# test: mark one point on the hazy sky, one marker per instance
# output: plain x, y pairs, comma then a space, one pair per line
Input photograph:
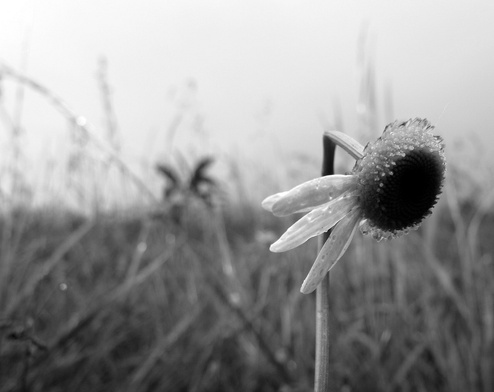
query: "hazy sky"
253, 73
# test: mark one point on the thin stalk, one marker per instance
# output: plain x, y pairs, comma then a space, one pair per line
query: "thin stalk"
324, 380
85, 126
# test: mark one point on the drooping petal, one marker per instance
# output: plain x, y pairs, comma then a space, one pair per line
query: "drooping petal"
332, 250
316, 222
350, 145
309, 195
269, 201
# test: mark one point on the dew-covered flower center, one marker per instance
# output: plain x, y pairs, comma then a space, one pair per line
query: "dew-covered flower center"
400, 177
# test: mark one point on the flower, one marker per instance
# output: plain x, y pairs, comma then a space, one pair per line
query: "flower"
395, 183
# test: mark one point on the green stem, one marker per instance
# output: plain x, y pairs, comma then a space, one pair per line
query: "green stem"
324, 334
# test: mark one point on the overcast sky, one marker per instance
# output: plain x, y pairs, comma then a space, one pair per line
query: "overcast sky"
256, 75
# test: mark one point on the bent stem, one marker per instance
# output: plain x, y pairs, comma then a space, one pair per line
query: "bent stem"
324, 333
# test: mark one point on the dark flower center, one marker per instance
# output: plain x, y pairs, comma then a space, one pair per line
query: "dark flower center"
401, 196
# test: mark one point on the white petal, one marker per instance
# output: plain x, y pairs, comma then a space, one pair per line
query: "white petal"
350, 145
269, 201
332, 250
316, 222
311, 194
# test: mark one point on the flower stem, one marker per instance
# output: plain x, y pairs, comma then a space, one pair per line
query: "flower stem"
324, 334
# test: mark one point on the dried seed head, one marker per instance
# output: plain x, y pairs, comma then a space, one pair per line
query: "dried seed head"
400, 178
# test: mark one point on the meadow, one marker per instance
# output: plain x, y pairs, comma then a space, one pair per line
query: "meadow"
142, 303
187, 297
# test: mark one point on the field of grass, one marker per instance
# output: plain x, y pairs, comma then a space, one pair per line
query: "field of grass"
148, 302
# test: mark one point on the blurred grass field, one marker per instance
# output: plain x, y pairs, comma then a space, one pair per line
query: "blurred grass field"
139, 303
190, 299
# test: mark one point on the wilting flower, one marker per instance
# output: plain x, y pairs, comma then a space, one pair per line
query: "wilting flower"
395, 183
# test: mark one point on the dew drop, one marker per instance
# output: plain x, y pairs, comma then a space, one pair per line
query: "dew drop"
141, 247
170, 238
81, 121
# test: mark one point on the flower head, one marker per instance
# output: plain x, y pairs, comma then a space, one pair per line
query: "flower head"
395, 183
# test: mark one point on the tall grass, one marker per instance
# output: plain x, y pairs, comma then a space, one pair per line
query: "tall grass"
134, 303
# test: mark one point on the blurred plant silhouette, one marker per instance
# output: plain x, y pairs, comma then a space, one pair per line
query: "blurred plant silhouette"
199, 185
182, 191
